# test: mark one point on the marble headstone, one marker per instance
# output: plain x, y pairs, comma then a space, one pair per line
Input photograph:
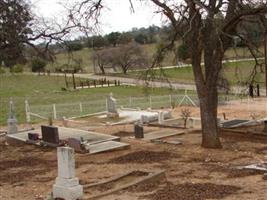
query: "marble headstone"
67, 185
11, 121
112, 106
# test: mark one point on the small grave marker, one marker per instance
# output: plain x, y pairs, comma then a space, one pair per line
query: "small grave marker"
138, 131
12, 121
161, 118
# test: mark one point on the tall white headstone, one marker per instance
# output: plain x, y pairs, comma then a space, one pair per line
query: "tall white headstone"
67, 185
112, 106
161, 117
11, 121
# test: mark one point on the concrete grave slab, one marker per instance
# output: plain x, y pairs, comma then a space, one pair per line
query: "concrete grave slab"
65, 133
106, 146
131, 115
171, 141
162, 134
258, 167
233, 123
170, 123
192, 122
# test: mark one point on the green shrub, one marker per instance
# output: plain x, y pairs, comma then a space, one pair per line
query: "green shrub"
74, 46
183, 52
2, 71
16, 69
38, 65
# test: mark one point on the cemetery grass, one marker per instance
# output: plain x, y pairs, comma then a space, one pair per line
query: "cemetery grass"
48, 90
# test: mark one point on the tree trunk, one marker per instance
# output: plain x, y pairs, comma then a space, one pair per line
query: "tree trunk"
102, 69
124, 70
209, 122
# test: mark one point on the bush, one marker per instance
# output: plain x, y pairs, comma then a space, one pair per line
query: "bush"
16, 69
141, 38
38, 65
2, 71
74, 46
183, 52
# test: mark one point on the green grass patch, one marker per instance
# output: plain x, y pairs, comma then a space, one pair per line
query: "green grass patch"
234, 72
85, 55
47, 90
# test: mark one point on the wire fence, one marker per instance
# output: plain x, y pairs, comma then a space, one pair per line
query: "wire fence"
33, 113
78, 109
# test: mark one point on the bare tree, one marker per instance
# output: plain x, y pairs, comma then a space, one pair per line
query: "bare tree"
185, 114
102, 59
207, 27
129, 56
210, 27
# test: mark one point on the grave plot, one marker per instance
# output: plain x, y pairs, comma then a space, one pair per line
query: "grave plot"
191, 172
165, 133
193, 191
107, 146
257, 131
170, 140
122, 116
82, 141
261, 167
132, 179
171, 123
233, 123
65, 133
191, 122
131, 115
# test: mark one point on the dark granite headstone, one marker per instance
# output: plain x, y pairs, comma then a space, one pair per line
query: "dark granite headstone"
50, 134
138, 131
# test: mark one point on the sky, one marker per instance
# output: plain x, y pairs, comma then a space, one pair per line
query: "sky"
117, 17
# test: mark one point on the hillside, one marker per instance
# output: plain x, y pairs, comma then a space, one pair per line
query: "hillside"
85, 55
